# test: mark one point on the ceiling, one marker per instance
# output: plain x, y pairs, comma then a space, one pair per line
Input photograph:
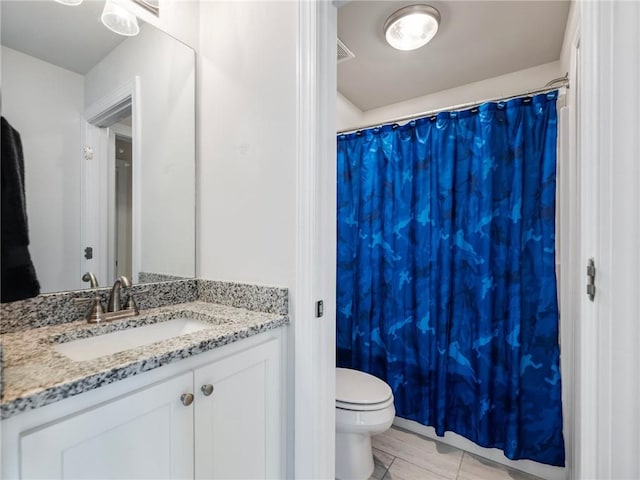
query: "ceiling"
476, 40
70, 37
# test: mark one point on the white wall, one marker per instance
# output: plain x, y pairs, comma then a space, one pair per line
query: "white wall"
247, 126
347, 114
167, 142
505, 85
44, 103
178, 18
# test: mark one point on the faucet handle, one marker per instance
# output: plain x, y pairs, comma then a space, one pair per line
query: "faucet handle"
95, 314
91, 278
131, 304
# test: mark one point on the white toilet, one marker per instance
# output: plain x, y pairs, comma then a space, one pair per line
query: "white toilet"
364, 407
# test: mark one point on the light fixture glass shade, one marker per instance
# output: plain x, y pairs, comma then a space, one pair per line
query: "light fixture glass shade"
119, 19
72, 3
411, 27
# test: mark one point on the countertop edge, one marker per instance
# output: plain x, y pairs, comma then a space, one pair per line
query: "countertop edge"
76, 386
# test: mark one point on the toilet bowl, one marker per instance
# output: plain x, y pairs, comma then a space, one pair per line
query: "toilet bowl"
364, 407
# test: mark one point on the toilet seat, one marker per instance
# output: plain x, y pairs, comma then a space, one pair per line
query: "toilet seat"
360, 391
364, 407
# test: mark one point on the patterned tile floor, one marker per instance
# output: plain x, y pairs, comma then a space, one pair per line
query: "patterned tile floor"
401, 455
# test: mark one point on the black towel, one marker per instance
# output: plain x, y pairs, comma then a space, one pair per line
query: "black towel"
18, 279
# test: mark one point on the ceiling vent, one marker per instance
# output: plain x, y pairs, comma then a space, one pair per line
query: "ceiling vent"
344, 53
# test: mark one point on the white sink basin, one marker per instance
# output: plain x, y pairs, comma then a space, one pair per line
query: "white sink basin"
107, 344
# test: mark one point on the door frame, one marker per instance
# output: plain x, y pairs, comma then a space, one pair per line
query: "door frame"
569, 238
608, 440
314, 337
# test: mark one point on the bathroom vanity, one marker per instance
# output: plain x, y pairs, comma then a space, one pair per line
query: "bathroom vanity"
208, 403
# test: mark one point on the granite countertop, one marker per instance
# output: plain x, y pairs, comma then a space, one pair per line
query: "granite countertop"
35, 374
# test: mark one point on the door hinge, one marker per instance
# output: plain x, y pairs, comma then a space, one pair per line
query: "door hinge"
591, 279
319, 308
88, 153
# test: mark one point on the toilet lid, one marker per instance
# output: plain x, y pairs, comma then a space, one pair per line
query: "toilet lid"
359, 388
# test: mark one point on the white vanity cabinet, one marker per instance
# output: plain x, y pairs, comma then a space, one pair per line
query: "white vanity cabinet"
147, 434
145, 426
237, 426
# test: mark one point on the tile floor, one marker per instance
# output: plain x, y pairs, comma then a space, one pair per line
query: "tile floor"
402, 455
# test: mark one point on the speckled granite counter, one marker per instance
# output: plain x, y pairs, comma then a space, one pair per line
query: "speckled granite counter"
36, 375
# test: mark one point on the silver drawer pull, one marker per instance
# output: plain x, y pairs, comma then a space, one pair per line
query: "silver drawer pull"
186, 399
207, 389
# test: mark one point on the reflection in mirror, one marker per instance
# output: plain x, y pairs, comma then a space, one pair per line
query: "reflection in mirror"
123, 206
108, 131
152, 5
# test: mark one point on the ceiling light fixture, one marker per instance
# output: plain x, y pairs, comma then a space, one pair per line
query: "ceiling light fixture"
119, 20
411, 27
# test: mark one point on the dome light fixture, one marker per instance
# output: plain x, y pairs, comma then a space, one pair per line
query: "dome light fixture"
71, 3
411, 27
119, 20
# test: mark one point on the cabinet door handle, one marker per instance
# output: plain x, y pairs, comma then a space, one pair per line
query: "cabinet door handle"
207, 389
186, 399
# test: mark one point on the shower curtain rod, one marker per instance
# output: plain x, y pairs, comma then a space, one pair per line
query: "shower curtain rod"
551, 85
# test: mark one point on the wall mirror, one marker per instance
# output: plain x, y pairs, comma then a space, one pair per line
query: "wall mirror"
107, 124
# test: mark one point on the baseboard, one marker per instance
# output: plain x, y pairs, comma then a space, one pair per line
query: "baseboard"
533, 468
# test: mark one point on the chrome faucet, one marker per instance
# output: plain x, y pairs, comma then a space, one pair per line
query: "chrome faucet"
114, 304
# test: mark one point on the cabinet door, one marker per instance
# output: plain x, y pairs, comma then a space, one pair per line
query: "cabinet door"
147, 434
238, 425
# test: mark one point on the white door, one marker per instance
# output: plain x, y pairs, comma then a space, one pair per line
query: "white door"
237, 416
146, 434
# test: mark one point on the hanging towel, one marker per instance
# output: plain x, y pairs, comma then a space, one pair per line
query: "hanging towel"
18, 275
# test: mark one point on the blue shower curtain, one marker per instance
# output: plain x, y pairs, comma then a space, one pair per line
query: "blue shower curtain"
446, 284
